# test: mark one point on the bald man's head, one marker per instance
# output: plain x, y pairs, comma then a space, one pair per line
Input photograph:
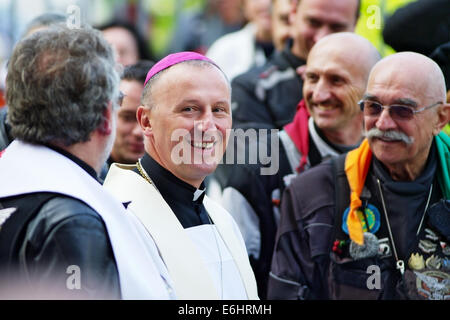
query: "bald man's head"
412, 70
357, 52
398, 137
335, 79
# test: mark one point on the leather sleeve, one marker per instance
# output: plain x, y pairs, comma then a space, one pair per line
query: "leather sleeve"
304, 237
5, 136
247, 108
67, 253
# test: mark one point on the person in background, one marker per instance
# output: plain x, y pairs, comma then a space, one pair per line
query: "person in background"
442, 57
373, 223
126, 41
335, 80
280, 23
267, 96
197, 31
237, 52
420, 26
129, 143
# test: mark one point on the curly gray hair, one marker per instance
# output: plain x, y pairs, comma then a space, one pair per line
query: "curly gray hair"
59, 84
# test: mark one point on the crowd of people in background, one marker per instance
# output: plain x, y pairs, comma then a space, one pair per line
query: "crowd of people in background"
112, 154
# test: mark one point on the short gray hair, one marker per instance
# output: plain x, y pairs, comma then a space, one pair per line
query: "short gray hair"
59, 83
44, 21
147, 99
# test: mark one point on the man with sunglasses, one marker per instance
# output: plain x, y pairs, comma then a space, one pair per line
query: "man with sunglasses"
373, 224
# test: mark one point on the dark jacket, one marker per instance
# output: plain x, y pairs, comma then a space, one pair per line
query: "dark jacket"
258, 191
420, 26
306, 265
258, 215
64, 233
5, 136
268, 96
442, 57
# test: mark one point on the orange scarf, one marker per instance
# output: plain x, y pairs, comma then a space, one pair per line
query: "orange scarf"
357, 165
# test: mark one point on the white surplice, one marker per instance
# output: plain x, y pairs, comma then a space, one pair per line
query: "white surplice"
26, 168
204, 262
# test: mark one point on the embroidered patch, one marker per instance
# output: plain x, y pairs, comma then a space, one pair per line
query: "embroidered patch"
384, 248
416, 262
372, 215
433, 285
433, 262
427, 246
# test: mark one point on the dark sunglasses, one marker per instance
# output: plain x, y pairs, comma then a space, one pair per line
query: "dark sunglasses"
396, 112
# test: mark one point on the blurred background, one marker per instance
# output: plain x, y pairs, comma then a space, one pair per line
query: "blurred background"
166, 26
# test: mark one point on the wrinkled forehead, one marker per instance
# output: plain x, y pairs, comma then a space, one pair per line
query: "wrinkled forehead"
342, 60
399, 81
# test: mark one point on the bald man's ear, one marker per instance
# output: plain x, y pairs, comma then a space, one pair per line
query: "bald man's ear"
443, 113
143, 118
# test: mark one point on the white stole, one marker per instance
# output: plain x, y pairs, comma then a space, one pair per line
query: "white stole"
190, 276
25, 168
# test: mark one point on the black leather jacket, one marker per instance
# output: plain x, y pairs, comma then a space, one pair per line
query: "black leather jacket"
267, 96
5, 137
66, 239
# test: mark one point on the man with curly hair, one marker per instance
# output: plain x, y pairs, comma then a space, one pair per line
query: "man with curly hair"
62, 236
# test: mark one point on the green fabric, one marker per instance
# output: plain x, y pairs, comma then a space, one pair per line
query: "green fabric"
447, 129
443, 147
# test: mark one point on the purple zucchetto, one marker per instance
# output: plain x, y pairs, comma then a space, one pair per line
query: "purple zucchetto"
173, 59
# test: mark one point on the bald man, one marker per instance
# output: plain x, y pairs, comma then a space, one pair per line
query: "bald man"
336, 78
371, 224
266, 96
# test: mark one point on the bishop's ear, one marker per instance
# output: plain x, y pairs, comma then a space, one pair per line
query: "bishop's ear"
143, 117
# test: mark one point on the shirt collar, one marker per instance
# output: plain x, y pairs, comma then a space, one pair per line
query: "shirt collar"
169, 185
292, 59
77, 160
420, 185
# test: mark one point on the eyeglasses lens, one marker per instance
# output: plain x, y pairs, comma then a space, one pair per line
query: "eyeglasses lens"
395, 111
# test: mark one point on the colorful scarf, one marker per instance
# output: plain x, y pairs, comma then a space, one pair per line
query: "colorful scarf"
357, 166
298, 132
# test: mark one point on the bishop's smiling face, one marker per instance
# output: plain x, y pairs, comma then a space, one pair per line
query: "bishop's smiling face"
189, 120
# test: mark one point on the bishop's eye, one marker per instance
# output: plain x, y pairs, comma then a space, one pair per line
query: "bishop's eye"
188, 109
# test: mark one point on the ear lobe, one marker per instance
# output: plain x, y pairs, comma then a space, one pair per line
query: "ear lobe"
143, 118
443, 114
106, 126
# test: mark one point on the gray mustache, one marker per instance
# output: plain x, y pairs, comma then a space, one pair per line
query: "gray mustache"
390, 135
